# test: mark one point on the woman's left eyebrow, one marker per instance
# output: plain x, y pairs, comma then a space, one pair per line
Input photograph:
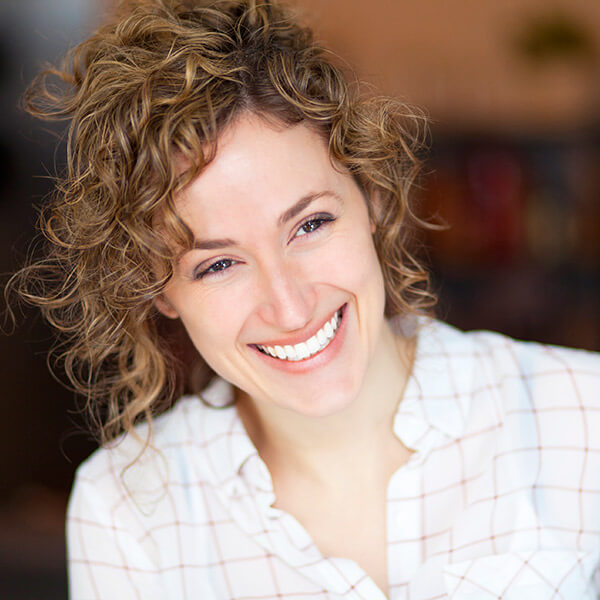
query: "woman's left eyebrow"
303, 203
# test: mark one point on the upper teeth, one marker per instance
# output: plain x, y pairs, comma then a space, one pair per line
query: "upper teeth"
313, 345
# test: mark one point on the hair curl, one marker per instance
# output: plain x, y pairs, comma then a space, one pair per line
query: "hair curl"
158, 84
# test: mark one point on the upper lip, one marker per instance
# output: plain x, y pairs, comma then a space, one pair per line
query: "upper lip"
298, 337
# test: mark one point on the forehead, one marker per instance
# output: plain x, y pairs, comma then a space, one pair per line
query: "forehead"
260, 166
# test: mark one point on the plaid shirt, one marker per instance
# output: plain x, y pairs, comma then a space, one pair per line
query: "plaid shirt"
501, 498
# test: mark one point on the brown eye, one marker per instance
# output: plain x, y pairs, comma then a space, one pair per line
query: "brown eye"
216, 267
313, 224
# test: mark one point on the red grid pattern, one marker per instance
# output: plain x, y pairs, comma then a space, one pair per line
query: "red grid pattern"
501, 498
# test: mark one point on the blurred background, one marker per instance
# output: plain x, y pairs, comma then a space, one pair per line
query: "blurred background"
513, 93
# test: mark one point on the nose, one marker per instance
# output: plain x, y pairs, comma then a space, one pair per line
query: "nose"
288, 298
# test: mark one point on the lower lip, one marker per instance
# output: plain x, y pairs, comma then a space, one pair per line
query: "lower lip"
317, 360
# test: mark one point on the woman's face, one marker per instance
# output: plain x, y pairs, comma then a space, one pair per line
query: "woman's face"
283, 264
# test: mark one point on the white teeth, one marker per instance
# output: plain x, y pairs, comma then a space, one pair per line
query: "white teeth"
313, 345
321, 337
302, 350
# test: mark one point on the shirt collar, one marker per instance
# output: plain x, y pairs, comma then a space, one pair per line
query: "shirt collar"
437, 393
223, 436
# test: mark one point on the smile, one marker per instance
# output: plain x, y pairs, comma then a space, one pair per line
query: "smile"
313, 345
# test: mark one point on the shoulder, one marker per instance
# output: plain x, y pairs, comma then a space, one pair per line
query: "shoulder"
529, 393
166, 435
189, 423
143, 505
149, 470
545, 373
549, 377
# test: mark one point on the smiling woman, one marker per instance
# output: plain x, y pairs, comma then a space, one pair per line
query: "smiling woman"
302, 254
223, 175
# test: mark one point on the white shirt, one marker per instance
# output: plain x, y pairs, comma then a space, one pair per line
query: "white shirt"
501, 498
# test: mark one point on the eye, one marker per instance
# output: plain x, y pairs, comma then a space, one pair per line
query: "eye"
314, 223
215, 268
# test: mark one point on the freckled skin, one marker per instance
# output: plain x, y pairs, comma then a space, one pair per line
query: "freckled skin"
278, 280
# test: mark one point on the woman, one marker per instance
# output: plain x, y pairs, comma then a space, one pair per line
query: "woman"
224, 176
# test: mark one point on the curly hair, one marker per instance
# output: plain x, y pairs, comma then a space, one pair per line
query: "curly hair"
157, 85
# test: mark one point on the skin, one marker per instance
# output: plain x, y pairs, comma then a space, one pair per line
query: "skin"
284, 241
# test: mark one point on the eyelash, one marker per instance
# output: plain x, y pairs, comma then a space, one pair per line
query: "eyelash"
319, 220
212, 270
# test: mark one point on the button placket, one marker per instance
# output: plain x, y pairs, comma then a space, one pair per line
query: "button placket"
405, 522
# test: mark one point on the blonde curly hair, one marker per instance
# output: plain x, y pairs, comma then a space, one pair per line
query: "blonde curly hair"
153, 87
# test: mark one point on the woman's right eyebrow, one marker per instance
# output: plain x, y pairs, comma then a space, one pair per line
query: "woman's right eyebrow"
213, 244
216, 244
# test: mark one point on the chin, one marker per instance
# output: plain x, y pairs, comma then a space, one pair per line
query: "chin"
323, 404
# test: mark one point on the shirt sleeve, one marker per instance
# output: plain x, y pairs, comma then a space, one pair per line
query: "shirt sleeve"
105, 559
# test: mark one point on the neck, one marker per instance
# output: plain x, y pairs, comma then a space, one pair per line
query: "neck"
315, 447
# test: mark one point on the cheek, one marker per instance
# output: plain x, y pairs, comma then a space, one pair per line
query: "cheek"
352, 264
211, 325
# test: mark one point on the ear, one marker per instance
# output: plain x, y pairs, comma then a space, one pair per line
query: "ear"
375, 211
165, 307
373, 225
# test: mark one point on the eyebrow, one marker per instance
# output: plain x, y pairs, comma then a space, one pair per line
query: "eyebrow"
213, 244
302, 204
286, 216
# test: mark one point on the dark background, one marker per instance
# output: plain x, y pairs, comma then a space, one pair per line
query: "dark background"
513, 170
